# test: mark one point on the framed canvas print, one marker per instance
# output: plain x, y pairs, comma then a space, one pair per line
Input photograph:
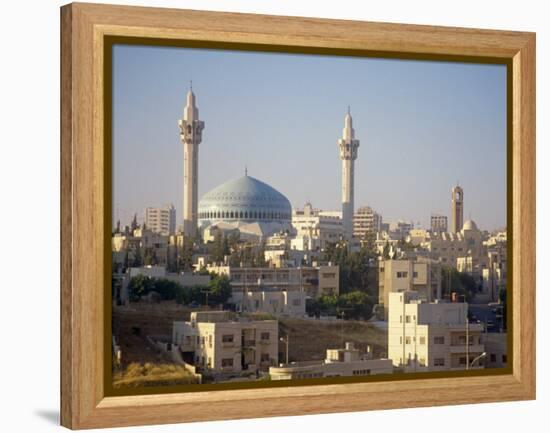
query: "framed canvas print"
268, 216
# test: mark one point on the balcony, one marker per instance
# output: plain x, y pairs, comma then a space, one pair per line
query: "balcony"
461, 348
249, 343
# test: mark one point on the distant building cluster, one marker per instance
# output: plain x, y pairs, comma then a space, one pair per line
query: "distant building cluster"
278, 261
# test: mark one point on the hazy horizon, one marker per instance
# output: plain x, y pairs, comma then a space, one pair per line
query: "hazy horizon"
422, 125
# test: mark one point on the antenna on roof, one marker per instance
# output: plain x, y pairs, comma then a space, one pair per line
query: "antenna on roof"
245, 170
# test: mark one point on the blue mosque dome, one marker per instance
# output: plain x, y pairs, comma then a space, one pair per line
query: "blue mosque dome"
244, 200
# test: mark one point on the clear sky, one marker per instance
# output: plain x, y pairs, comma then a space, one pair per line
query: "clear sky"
423, 126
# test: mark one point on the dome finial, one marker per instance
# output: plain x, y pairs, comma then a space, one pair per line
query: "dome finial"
245, 170
191, 85
349, 110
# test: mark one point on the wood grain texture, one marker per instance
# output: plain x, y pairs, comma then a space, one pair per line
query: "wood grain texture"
83, 403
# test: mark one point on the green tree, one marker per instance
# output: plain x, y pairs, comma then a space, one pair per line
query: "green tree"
219, 289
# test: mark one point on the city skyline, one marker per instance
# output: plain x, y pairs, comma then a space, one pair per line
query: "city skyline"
301, 111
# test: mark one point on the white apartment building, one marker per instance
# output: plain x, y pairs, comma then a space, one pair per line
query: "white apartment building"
432, 336
421, 275
161, 219
218, 342
346, 361
324, 226
366, 221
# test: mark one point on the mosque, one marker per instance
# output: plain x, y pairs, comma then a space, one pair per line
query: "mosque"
247, 204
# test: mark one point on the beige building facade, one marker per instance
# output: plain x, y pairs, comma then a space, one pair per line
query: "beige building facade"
421, 275
432, 336
161, 220
366, 222
318, 227
314, 281
345, 361
220, 343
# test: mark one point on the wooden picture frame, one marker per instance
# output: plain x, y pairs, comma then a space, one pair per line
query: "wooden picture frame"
84, 224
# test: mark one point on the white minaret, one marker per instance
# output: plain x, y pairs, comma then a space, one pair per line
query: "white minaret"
191, 135
348, 154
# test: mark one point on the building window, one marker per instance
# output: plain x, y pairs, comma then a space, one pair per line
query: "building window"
493, 357
462, 360
407, 319
407, 340
415, 274
439, 340
210, 341
264, 357
504, 359
227, 338
265, 335
227, 362
402, 274
422, 340
439, 362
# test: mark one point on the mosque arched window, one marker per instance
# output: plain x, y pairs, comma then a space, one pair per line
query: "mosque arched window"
245, 214
241, 214
231, 214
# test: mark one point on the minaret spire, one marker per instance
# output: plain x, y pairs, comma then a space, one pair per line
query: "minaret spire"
191, 136
348, 146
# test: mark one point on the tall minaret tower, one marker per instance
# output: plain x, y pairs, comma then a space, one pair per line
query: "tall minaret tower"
348, 154
191, 136
457, 202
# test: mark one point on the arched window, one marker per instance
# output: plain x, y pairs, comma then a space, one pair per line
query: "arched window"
241, 214
231, 214
245, 214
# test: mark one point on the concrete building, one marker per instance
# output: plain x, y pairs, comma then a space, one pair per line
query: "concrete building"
446, 247
142, 243
314, 281
424, 336
348, 146
161, 220
438, 223
191, 136
457, 209
222, 344
496, 347
346, 361
278, 302
421, 275
400, 229
494, 273
321, 227
366, 221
